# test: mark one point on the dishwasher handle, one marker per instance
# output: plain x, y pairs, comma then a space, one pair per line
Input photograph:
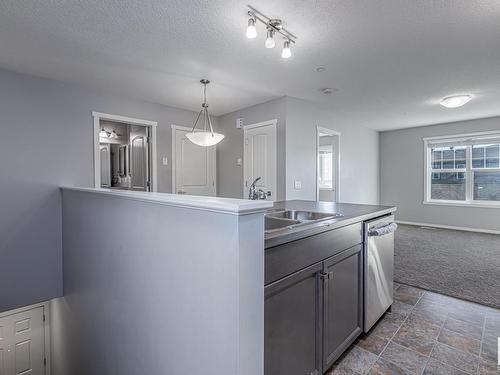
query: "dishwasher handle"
382, 230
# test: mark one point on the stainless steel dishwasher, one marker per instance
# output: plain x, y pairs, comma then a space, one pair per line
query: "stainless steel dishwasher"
379, 268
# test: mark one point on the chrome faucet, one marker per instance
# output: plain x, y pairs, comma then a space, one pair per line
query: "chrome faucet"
253, 193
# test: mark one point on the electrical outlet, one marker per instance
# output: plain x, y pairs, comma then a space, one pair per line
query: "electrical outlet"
298, 185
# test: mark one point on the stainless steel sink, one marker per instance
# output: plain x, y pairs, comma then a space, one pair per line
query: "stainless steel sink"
274, 223
303, 215
288, 219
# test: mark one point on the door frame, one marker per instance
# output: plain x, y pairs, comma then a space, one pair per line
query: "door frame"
334, 133
98, 116
46, 328
185, 128
273, 123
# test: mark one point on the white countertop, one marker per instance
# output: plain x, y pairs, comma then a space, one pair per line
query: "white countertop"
216, 204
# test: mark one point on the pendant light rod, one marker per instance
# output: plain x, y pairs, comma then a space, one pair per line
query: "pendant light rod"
204, 109
271, 23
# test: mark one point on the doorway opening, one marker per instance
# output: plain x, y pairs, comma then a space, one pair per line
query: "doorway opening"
124, 153
327, 164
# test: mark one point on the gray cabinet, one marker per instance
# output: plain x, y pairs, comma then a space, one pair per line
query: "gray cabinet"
313, 315
293, 324
342, 302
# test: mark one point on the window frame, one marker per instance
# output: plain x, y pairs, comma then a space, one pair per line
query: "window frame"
468, 172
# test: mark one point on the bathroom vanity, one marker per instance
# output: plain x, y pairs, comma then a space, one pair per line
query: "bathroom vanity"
314, 283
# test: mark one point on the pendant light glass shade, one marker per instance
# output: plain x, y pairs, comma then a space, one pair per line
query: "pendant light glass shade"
207, 137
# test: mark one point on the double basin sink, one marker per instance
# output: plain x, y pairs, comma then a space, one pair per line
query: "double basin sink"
276, 220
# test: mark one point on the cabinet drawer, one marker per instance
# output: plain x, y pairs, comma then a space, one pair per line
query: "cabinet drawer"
285, 259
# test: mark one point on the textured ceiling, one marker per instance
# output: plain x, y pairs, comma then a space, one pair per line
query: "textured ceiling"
389, 61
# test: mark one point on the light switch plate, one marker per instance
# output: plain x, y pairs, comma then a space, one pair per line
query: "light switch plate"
239, 162
164, 161
298, 185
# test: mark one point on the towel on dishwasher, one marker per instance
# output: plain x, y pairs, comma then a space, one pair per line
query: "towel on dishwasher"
383, 229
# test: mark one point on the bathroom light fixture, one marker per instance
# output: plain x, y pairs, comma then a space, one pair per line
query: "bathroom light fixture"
251, 30
455, 101
207, 137
103, 133
113, 134
273, 26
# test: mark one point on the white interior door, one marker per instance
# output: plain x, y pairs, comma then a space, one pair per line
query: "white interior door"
22, 343
260, 157
194, 166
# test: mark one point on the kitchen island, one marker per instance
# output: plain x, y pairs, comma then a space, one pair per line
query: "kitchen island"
316, 279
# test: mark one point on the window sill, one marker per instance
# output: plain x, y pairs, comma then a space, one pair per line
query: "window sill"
462, 204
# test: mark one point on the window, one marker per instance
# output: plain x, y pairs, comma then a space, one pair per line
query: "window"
463, 170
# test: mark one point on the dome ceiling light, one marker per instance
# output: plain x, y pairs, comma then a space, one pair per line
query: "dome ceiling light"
455, 101
273, 26
207, 137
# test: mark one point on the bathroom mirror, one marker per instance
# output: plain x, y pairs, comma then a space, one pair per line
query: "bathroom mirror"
327, 165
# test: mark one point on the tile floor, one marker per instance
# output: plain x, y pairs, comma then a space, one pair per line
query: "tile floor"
426, 333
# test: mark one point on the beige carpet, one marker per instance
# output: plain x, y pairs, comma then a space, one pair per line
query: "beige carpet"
460, 264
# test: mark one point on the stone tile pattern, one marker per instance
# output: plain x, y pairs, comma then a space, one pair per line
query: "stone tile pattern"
426, 333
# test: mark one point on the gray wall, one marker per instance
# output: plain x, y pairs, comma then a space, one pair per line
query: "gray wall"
229, 175
46, 141
402, 177
297, 121
359, 165
146, 296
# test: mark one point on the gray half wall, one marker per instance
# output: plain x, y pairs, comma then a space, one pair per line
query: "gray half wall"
155, 289
402, 177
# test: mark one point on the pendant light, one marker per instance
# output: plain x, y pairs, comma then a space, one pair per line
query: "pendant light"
207, 137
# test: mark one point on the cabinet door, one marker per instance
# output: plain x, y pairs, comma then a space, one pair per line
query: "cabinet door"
343, 302
292, 324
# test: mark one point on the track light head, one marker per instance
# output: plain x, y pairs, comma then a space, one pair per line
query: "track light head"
270, 43
251, 29
286, 52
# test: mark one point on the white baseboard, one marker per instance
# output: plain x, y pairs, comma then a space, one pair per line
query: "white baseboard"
489, 231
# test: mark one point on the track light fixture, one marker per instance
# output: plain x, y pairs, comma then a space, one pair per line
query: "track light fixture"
273, 26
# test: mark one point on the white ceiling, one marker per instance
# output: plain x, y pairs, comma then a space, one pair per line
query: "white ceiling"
389, 61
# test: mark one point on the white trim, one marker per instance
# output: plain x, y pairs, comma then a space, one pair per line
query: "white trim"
465, 229
128, 120
98, 116
46, 327
196, 202
274, 124
337, 158
187, 129
473, 204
